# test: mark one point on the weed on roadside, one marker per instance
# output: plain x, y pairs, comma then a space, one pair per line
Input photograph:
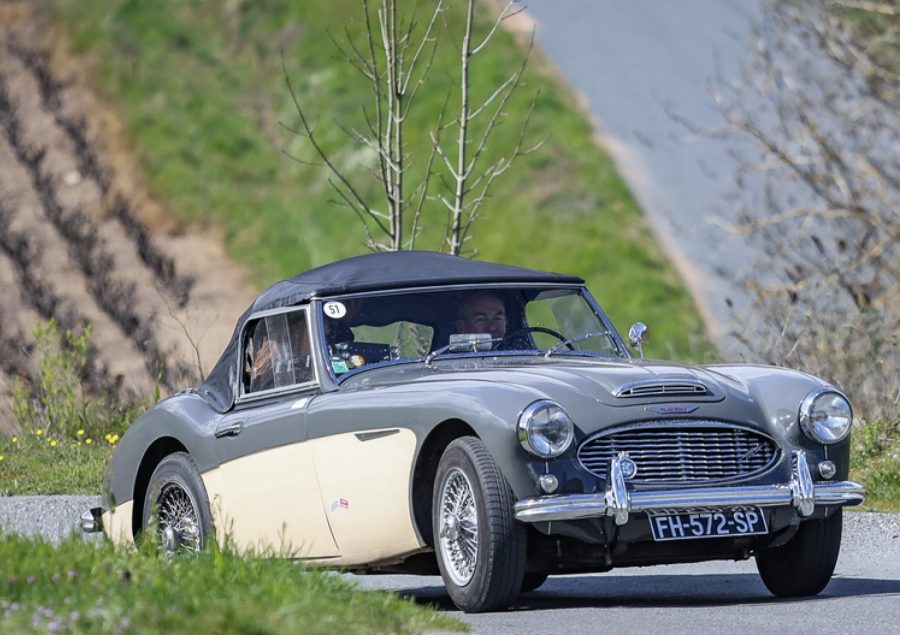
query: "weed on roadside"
67, 435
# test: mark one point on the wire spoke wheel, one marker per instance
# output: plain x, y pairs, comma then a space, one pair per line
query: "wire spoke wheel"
458, 527
179, 527
176, 506
480, 548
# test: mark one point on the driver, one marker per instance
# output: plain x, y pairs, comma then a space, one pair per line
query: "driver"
482, 312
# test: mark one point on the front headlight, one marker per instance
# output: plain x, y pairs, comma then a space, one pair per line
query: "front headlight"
825, 415
545, 429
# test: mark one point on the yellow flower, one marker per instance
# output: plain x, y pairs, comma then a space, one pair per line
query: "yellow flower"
39, 432
80, 433
1, 457
52, 443
88, 441
15, 439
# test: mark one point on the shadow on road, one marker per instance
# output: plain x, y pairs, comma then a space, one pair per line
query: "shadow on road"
659, 591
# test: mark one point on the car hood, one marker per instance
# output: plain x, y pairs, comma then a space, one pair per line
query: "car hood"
615, 384
603, 381
764, 397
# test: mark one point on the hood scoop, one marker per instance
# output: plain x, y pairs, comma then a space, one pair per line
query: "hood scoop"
661, 388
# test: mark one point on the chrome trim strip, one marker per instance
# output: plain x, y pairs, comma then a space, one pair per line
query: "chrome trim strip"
803, 495
800, 493
371, 436
662, 384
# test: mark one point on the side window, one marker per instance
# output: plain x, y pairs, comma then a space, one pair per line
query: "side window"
277, 352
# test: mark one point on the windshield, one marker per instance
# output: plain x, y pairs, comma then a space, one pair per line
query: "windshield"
367, 329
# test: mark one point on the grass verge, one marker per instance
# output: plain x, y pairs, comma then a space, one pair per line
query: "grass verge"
94, 588
875, 462
47, 464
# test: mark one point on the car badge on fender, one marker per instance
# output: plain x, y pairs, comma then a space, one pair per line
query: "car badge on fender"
672, 410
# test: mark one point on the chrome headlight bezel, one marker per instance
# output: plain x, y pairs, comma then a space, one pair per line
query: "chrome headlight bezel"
812, 424
529, 432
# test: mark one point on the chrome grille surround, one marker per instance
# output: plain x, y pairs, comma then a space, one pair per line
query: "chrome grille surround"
682, 451
661, 388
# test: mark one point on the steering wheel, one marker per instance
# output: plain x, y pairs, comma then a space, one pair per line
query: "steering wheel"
508, 339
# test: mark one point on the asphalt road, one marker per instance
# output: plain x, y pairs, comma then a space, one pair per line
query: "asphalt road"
640, 66
717, 597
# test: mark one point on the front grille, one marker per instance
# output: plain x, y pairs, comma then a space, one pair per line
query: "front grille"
653, 388
682, 451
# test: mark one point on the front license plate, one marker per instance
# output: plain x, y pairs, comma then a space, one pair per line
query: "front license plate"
746, 521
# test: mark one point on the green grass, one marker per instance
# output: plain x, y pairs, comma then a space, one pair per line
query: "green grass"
93, 588
200, 90
875, 462
31, 464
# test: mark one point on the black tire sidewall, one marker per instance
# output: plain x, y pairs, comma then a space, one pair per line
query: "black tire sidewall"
480, 594
179, 469
804, 565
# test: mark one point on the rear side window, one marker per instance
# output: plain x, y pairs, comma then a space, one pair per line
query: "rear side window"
276, 352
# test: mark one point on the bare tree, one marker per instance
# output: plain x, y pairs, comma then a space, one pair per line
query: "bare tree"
823, 106
395, 56
466, 175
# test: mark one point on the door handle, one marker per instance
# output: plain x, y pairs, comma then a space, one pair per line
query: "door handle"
231, 429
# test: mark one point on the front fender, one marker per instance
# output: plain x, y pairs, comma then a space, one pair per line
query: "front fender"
185, 419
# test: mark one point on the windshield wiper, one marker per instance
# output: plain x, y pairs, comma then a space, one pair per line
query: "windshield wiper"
578, 338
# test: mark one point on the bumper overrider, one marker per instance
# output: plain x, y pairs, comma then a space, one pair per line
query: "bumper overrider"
618, 502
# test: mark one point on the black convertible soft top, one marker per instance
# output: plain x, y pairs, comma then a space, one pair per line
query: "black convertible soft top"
370, 272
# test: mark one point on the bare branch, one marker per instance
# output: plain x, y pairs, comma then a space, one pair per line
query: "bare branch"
504, 14
318, 148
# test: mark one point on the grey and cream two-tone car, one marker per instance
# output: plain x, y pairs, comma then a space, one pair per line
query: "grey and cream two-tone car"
417, 412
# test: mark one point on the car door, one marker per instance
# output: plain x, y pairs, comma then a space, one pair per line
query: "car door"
363, 446
264, 494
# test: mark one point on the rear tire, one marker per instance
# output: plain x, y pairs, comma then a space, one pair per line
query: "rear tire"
803, 565
479, 545
177, 506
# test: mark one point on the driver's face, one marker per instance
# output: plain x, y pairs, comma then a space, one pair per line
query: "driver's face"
483, 313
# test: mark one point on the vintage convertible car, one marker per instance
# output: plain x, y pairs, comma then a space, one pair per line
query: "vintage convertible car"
418, 412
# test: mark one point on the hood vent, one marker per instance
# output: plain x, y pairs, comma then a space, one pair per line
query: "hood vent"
657, 388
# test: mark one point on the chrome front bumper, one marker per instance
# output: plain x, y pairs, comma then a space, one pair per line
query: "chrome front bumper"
92, 520
618, 502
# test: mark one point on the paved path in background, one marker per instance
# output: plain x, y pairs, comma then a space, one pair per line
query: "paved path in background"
715, 597
636, 62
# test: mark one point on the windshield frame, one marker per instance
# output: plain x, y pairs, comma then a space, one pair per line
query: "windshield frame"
322, 340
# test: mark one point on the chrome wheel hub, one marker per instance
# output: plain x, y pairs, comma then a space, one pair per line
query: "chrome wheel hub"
179, 528
458, 527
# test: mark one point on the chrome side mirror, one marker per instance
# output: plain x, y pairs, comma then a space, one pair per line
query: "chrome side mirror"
638, 336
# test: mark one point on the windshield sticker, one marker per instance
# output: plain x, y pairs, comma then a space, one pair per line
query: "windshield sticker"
339, 366
335, 310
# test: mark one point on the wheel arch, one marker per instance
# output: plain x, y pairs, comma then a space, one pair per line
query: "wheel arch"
156, 452
426, 468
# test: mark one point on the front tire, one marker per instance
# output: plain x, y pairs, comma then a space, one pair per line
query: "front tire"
177, 504
480, 547
804, 565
